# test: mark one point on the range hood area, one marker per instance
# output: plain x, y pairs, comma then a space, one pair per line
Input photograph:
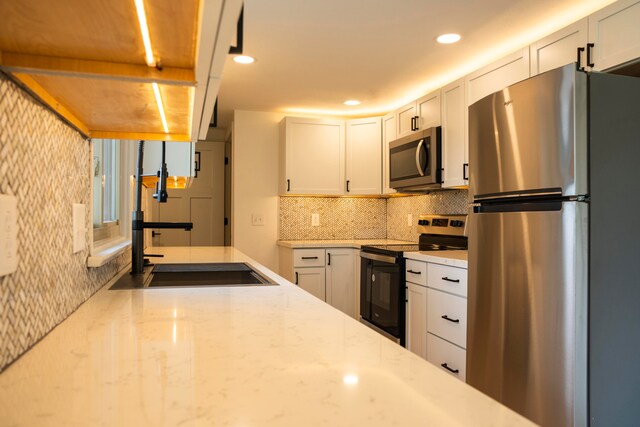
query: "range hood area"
122, 70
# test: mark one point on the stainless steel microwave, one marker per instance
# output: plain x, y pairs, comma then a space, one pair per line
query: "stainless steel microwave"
415, 162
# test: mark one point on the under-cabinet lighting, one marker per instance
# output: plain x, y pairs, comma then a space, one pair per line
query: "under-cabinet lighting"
448, 38
144, 29
352, 102
156, 91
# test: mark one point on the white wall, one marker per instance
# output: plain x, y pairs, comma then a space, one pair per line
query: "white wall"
255, 140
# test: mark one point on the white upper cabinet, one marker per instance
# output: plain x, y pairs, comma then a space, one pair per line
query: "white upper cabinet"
615, 34
494, 77
312, 156
388, 135
560, 48
418, 115
179, 157
455, 136
364, 156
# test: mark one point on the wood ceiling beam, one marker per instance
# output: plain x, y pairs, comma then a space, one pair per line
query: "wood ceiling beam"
54, 66
147, 136
53, 103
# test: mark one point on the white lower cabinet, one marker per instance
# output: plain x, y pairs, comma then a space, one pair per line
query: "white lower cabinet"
450, 358
330, 274
436, 321
416, 324
312, 280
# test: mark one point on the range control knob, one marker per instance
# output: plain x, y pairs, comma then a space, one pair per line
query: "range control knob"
423, 222
457, 223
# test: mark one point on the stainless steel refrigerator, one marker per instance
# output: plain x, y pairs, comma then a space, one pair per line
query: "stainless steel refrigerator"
554, 248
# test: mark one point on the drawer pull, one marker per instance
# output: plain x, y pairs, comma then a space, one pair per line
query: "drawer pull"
446, 279
309, 257
445, 366
414, 272
445, 317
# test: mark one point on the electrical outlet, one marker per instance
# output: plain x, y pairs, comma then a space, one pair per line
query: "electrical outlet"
257, 220
315, 220
409, 220
8, 234
79, 230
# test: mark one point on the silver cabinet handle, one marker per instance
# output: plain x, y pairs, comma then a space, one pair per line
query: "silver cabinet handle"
418, 150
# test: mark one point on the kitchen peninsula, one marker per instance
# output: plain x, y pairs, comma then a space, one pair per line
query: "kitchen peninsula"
268, 355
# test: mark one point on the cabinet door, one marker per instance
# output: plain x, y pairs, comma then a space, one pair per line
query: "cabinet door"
416, 327
404, 119
448, 357
341, 288
615, 32
312, 280
364, 156
388, 135
560, 48
179, 157
494, 77
428, 110
455, 136
314, 156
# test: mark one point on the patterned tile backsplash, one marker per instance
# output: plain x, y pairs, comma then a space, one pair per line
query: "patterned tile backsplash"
345, 218
46, 165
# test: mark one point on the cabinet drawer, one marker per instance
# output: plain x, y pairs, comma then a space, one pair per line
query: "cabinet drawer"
446, 355
416, 272
447, 316
308, 258
448, 279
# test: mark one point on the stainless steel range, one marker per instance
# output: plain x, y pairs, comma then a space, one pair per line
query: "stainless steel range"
382, 273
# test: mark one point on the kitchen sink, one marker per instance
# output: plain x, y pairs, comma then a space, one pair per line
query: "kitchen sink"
194, 275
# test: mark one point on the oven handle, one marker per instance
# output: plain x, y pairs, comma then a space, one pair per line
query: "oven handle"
418, 151
376, 257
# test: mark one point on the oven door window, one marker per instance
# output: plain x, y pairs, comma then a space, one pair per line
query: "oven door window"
380, 296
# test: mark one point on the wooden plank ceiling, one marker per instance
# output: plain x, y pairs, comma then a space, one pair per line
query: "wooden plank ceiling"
86, 60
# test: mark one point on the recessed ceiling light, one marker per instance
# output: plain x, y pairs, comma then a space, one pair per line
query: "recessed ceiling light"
244, 59
448, 38
351, 102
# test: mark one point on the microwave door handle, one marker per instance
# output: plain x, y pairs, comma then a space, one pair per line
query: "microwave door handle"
418, 163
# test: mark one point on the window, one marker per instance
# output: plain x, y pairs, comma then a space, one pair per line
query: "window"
112, 171
106, 188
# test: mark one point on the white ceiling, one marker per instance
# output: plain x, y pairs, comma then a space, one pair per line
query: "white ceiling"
312, 55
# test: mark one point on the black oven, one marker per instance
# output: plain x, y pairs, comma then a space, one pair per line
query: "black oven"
415, 161
382, 294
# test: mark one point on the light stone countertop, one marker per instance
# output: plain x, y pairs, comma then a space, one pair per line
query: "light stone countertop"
354, 243
250, 356
452, 258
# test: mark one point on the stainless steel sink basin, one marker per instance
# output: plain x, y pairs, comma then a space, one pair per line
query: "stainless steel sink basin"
194, 275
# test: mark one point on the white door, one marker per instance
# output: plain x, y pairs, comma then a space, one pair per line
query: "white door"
417, 319
202, 203
341, 288
364, 156
428, 111
312, 280
405, 119
494, 77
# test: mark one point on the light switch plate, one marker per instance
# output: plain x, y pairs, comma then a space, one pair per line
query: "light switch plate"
315, 220
257, 219
8, 234
79, 230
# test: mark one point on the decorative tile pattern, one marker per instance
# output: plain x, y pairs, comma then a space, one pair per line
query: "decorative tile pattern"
346, 218
46, 165
439, 202
340, 218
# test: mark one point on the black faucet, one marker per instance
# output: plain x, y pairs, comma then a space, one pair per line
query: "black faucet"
138, 224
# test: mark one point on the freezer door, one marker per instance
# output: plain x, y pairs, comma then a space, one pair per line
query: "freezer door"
531, 137
526, 333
